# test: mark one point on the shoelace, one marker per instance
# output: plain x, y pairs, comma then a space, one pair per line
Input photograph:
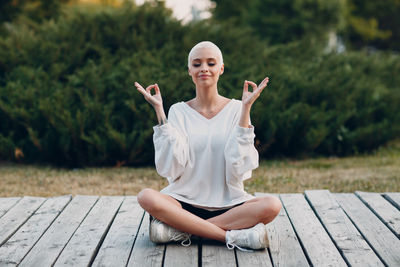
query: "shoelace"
186, 242
231, 245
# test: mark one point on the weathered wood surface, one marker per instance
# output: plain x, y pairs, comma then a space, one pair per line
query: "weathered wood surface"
393, 198
348, 240
383, 241
50, 245
284, 244
17, 216
217, 255
119, 241
317, 228
82, 247
23, 240
6, 203
388, 214
146, 253
317, 244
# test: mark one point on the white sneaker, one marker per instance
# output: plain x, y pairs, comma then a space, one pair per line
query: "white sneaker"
160, 232
253, 238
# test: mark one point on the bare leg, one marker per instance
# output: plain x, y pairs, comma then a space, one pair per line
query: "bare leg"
250, 213
170, 211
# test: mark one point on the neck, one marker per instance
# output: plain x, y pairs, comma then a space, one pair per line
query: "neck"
207, 97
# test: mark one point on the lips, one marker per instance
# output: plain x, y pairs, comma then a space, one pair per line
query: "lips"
204, 76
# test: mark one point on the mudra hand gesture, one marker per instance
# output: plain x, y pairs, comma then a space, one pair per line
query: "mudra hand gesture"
155, 100
248, 98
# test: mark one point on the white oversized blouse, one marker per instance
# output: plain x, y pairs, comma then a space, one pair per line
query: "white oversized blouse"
205, 160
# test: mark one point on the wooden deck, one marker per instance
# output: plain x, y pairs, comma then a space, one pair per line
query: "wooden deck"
317, 228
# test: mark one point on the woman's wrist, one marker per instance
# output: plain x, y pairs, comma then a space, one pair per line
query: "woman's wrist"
245, 117
161, 117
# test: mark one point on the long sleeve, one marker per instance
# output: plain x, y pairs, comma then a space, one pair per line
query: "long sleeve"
240, 154
171, 148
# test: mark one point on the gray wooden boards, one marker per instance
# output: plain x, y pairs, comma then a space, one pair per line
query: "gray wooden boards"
253, 259
180, 256
316, 242
18, 215
385, 211
394, 198
351, 244
83, 245
6, 203
215, 254
118, 243
145, 252
12, 252
284, 246
385, 244
50, 245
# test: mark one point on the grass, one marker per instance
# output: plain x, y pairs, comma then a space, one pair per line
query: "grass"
378, 172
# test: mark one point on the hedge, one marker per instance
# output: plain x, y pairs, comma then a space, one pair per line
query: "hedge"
67, 95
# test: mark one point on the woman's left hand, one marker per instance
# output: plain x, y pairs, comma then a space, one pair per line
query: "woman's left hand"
248, 98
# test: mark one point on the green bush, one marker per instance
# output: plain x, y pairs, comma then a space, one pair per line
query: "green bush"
67, 95
328, 104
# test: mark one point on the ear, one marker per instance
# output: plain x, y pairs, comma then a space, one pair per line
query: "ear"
222, 69
189, 72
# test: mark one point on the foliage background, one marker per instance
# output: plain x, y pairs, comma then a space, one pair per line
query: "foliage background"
66, 77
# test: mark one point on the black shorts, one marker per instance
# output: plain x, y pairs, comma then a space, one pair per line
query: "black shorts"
203, 213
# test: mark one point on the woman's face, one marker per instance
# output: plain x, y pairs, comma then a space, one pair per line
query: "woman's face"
205, 66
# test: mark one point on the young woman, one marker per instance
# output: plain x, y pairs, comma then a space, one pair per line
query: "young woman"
206, 149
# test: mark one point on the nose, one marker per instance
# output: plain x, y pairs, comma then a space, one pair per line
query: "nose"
204, 68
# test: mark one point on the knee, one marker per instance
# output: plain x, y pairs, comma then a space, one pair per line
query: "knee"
146, 199
270, 208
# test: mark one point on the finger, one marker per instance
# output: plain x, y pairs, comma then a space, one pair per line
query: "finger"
245, 87
138, 85
148, 89
253, 85
157, 89
140, 88
264, 82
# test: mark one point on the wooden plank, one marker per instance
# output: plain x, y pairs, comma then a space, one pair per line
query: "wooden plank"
393, 198
383, 209
216, 254
380, 238
177, 255
283, 243
145, 252
253, 259
50, 245
6, 203
316, 242
118, 243
349, 241
17, 216
12, 252
83, 246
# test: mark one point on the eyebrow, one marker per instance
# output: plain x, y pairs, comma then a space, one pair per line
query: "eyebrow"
210, 58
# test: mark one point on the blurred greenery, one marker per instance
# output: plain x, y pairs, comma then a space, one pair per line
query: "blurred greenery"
358, 23
66, 80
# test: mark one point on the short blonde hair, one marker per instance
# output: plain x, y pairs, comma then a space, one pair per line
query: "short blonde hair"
206, 44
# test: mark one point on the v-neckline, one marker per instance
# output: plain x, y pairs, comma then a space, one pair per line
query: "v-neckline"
202, 116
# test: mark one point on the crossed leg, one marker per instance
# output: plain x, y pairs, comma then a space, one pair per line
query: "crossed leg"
169, 210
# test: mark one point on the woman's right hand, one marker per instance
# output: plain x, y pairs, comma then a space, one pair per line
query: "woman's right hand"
156, 99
